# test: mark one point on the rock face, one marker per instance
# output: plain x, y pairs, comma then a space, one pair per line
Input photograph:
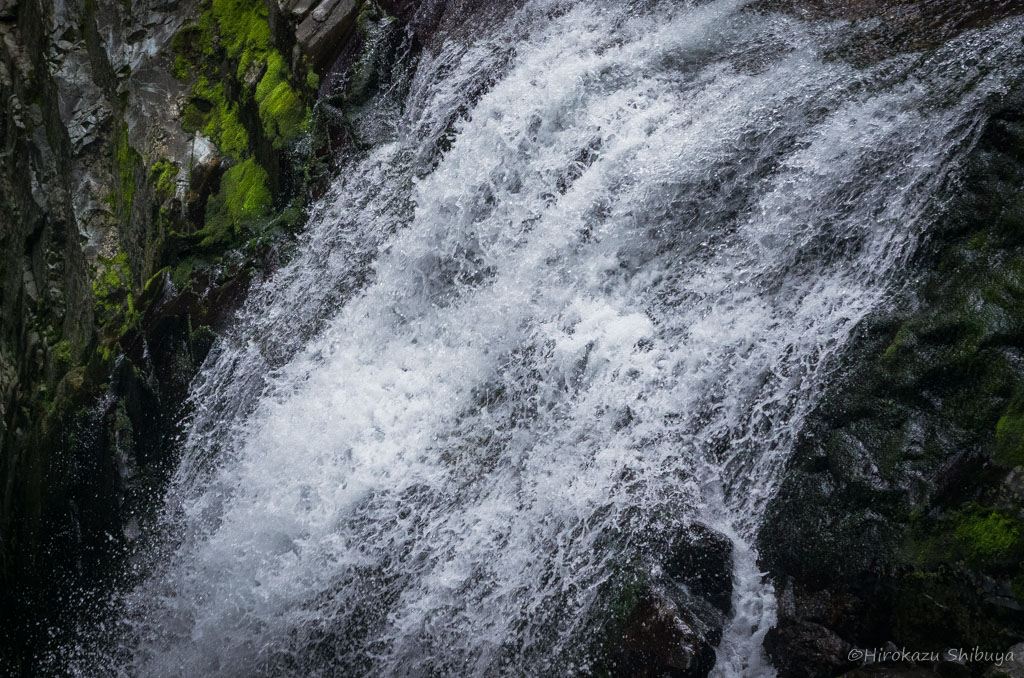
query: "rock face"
900, 520
73, 194
124, 247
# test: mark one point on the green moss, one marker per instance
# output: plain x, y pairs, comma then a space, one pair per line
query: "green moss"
208, 35
114, 302
115, 276
62, 354
239, 30
987, 534
1009, 449
276, 73
182, 67
244, 31
164, 174
186, 40
192, 118
243, 198
126, 158
904, 340
974, 535
979, 241
282, 112
234, 140
220, 122
154, 280
181, 276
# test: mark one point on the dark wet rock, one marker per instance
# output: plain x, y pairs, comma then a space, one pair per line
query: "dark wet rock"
900, 518
1011, 664
669, 634
672, 614
701, 559
824, 653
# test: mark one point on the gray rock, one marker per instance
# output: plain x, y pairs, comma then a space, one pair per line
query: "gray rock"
299, 8
80, 101
1012, 665
254, 73
326, 26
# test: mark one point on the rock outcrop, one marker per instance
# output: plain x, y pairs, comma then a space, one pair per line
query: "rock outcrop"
900, 523
669, 614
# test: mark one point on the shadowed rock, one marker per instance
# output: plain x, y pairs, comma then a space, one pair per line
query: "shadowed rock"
679, 613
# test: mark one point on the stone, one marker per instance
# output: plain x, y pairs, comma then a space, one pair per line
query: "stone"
701, 558
321, 33
681, 611
80, 101
299, 8
807, 650
254, 73
1012, 665
665, 637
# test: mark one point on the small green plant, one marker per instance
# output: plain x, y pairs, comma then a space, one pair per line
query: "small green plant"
62, 355
126, 159
1009, 449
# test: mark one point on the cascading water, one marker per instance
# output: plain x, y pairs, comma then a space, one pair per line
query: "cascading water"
601, 314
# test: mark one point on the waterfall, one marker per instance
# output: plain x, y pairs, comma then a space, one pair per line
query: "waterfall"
598, 310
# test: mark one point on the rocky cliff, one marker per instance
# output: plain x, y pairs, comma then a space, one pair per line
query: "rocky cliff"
156, 155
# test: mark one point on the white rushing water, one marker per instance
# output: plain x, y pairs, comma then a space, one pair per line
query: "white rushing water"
489, 376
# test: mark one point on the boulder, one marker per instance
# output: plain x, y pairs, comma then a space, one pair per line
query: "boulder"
679, 613
670, 633
323, 30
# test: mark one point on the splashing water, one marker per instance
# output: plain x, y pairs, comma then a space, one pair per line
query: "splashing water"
600, 315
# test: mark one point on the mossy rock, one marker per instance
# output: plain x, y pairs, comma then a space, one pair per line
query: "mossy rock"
282, 112
244, 198
987, 536
937, 610
164, 175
